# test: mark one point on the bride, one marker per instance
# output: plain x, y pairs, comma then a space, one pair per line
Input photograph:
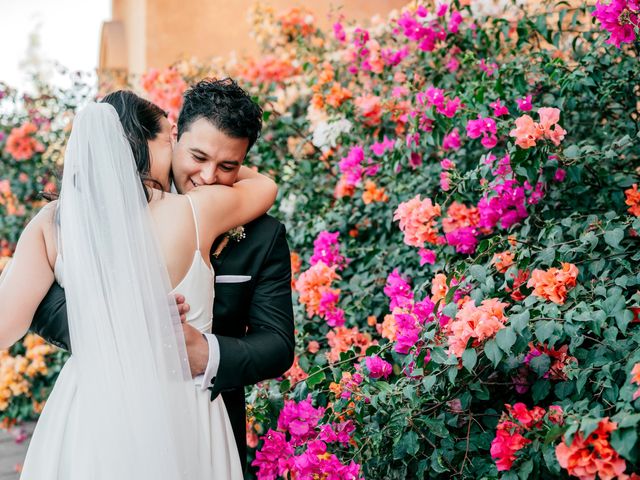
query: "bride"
125, 406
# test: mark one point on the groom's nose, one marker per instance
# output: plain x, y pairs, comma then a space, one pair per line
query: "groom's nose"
208, 175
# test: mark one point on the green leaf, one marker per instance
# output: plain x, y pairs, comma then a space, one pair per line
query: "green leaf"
316, 376
540, 390
478, 273
623, 440
429, 381
505, 339
614, 237
544, 330
519, 321
492, 352
469, 359
540, 364
408, 444
572, 151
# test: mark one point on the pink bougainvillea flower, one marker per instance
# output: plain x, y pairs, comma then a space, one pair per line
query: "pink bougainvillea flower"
451, 140
619, 18
485, 128
380, 148
427, 256
524, 104
326, 248
498, 108
398, 289
339, 33
488, 68
378, 368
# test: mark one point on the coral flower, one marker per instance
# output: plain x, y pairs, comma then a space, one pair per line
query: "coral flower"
553, 284
635, 378
633, 200
418, 221
586, 458
21, 143
502, 261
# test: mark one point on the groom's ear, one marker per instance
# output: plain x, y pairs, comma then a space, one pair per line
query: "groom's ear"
174, 133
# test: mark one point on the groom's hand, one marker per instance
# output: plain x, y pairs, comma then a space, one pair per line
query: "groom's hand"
183, 307
197, 349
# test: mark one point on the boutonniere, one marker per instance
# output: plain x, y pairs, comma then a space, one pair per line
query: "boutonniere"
235, 234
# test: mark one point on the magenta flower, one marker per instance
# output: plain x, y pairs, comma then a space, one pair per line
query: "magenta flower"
326, 248
463, 239
507, 207
300, 420
427, 256
498, 108
338, 32
398, 289
454, 22
619, 18
271, 459
451, 140
380, 148
524, 104
351, 166
378, 368
485, 128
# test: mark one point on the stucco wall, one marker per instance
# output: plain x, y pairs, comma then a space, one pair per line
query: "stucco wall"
160, 32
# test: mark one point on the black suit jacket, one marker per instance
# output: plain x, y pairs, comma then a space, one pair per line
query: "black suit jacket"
252, 319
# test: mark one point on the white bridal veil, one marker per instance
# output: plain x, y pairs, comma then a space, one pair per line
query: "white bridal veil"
135, 394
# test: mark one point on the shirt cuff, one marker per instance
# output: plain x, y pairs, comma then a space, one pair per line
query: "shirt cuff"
214, 361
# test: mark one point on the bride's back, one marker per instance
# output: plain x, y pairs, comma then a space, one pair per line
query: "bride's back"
176, 232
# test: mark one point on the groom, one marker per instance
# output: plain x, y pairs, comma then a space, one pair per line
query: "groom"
252, 338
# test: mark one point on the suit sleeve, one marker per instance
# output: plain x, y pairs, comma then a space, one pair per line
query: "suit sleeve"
50, 320
268, 348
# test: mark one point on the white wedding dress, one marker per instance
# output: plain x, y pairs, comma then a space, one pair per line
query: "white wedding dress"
67, 444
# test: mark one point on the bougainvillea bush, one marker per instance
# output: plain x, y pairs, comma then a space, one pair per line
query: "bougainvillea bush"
460, 191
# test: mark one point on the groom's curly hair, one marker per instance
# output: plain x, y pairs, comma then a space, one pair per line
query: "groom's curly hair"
226, 105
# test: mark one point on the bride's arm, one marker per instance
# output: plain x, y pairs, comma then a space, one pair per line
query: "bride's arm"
25, 283
221, 208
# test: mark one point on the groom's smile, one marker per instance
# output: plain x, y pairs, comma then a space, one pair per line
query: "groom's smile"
204, 155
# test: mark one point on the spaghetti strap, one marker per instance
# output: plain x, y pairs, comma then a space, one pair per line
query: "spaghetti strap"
195, 221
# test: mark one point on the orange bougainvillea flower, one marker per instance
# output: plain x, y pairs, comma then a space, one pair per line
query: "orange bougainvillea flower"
342, 339
370, 109
502, 261
297, 21
313, 283
373, 194
418, 221
337, 95
554, 284
267, 69
296, 263
633, 200
21, 143
477, 323
586, 458
295, 374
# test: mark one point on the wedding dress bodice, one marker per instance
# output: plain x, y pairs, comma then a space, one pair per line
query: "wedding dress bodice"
197, 286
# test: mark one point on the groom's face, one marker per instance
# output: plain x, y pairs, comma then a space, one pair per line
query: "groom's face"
205, 156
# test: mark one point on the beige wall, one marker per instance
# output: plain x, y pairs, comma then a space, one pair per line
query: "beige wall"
159, 32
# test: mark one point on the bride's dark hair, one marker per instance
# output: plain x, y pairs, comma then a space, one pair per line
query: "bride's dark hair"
140, 120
